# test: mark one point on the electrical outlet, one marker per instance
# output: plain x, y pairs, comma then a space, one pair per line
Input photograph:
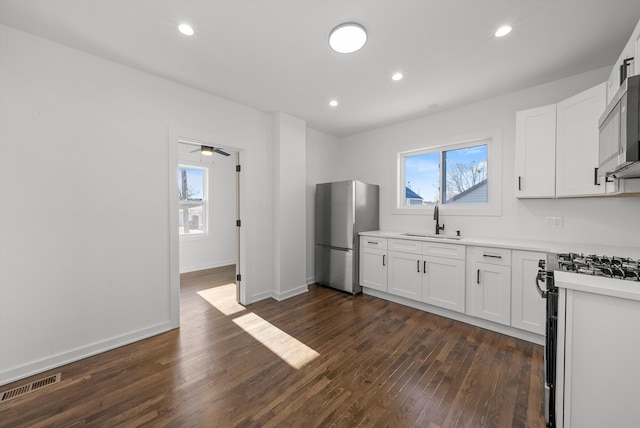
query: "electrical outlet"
554, 222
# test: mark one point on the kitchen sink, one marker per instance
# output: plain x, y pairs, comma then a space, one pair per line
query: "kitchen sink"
432, 235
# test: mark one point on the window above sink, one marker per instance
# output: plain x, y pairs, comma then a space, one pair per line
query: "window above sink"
462, 175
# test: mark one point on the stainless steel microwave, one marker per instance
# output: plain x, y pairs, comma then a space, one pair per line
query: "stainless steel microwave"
620, 133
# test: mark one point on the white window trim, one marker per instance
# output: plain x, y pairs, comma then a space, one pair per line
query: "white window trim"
207, 169
494, 191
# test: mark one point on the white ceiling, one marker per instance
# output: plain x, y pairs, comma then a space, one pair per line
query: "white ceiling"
273, 54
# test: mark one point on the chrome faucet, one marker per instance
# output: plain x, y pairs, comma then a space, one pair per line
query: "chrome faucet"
436, 217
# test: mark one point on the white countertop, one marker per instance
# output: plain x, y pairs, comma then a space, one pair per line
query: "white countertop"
520, 244
598, 285
623, 289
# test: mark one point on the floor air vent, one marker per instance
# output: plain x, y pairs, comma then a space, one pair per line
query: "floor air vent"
30, 387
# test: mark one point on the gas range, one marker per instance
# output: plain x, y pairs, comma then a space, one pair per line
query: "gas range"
604, 266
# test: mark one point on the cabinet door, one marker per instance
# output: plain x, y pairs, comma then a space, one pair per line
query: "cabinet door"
489, 291
527, 306
577, 138
405, 275
373, 268
443, 283
536, 153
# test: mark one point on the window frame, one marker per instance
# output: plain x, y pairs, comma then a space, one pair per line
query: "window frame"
205, 199
493, 207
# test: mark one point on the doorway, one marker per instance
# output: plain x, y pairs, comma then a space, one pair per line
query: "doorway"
203, 218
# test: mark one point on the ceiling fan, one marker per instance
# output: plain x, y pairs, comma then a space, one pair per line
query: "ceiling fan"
208, 151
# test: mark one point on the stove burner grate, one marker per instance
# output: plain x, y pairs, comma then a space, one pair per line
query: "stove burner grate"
610, 267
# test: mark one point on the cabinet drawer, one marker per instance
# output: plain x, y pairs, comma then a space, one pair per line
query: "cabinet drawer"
450, 251
494, 256
405, 246
371, 242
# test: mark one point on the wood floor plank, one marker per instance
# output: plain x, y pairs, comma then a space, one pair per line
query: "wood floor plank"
379, 364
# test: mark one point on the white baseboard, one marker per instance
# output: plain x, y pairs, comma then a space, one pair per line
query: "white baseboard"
288, 294
187, 269
499, 328
35, 367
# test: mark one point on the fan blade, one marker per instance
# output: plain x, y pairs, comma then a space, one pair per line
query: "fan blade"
193, 151
222, 152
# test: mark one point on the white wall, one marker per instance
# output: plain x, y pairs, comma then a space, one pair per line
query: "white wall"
372, 157
289, 206
86, 174
323, 152
218, 246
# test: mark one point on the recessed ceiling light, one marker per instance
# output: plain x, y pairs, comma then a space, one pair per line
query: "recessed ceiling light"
397, 76
503, 31
333, 103
185, 29
348, 37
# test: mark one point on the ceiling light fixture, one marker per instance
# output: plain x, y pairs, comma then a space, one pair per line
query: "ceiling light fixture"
185, 29
333, 103
206, 150
503, 31
348, 37
397, 76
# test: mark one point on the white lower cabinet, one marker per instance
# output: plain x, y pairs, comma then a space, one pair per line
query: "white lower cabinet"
494, 284
373, 268
373, 263
443, 275
443, 283
527, 306
489, 284
429, 272
405, 275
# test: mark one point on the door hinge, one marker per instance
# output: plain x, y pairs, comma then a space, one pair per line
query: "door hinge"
238, 168
238, 223
238, 277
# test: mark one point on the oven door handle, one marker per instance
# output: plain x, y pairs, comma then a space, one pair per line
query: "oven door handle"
542, 293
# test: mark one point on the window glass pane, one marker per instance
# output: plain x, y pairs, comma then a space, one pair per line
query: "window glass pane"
191, 200
421, 179
465, 172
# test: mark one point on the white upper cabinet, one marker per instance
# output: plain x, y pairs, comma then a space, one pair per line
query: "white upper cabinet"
536, 152
631, 50
557, 147
577, 143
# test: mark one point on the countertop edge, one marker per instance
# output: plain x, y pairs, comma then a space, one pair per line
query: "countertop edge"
611, 287
518, 244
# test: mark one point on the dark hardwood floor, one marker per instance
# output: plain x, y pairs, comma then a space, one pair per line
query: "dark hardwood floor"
370, 363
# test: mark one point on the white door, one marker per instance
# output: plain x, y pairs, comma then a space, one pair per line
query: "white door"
405, 275
443, 283
527, 306
490, 292
577, 139
535, 166
373, 268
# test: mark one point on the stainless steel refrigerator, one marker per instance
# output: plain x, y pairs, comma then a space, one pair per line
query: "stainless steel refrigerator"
343, 209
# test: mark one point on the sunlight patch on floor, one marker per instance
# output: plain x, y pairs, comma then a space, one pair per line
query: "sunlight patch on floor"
223, 298
291, 350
